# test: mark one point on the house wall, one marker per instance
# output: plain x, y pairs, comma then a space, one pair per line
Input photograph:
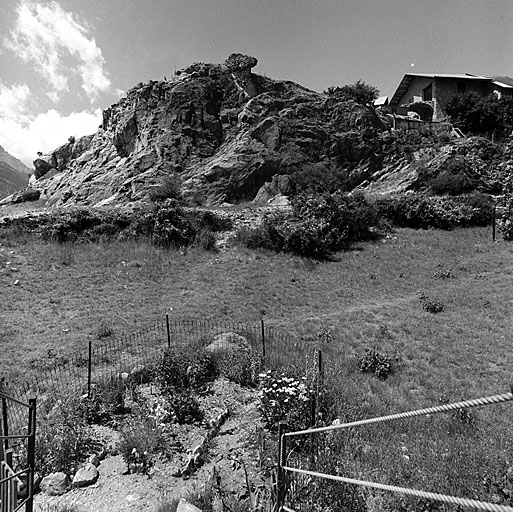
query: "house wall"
415, 89
445, 88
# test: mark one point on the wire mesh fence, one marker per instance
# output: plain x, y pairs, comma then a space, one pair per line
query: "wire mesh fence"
111, 356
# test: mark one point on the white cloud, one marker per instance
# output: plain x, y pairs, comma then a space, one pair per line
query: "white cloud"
46, 35
13, 101
44, 132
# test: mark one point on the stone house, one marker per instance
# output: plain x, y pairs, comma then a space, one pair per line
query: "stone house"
438, 89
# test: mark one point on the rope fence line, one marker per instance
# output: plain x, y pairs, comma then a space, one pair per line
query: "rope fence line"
454, 500
462, 502
489, 400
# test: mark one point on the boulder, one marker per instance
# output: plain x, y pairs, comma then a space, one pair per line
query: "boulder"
86, 475
55, 484
228, 341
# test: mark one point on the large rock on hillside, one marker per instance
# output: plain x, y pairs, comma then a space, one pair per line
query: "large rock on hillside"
220, 131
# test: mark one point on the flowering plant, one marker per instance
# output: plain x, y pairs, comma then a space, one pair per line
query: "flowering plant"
284, 398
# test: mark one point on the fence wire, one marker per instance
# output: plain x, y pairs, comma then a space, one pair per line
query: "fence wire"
112, 355
299, 485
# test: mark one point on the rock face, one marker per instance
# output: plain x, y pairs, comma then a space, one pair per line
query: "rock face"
220, 131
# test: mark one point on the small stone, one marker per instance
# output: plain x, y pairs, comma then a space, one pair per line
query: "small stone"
86, 475
17, 282
131, 498
185, 506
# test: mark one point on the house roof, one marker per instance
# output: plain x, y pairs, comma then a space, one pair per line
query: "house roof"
505, 82
408, 78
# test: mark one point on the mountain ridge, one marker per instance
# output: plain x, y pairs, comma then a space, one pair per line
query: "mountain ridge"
13, 174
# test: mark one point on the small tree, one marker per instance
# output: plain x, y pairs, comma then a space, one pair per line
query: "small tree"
360, 92
474, 114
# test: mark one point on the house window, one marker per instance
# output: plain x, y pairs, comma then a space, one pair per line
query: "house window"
427, 93
462, 87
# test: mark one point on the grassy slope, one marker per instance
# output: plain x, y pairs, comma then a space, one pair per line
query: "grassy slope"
462, 352
66, 291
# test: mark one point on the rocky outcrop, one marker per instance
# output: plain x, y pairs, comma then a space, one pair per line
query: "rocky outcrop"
222, 130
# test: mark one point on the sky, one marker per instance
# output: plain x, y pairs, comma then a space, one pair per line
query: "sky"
64, 61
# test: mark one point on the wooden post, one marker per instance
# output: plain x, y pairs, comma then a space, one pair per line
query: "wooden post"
31, 455
168, 331
281, 489
262, 330
89, 368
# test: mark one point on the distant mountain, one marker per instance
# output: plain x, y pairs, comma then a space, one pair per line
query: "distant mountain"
11, 179
13, 162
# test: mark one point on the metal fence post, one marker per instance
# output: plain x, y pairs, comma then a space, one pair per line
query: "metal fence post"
281, 489
5, 426
168, 331
262, 330
31, 454
89, 368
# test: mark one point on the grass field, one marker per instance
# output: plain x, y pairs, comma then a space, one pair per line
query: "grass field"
65, 292
366, 297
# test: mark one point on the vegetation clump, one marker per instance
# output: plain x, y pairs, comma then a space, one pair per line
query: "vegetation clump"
166, 225
317, 226
418, 211
430, 305
372, 361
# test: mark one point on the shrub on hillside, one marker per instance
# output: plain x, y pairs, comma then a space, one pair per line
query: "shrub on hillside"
371, 361
166, 225
285, 397
317, 226
140, 442
431, 305
107, 400
316, 178
168, 189
419, 211
62, 440
239, 366
181, 368
453, 179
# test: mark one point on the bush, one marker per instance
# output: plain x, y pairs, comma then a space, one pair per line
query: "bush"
317, 227
371, 361
140, 442
285, 398
185, 407
419, 211
239, 366
431, 305
166, 225
63, 441
453, 179
168, 189
106, 401
181, 368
